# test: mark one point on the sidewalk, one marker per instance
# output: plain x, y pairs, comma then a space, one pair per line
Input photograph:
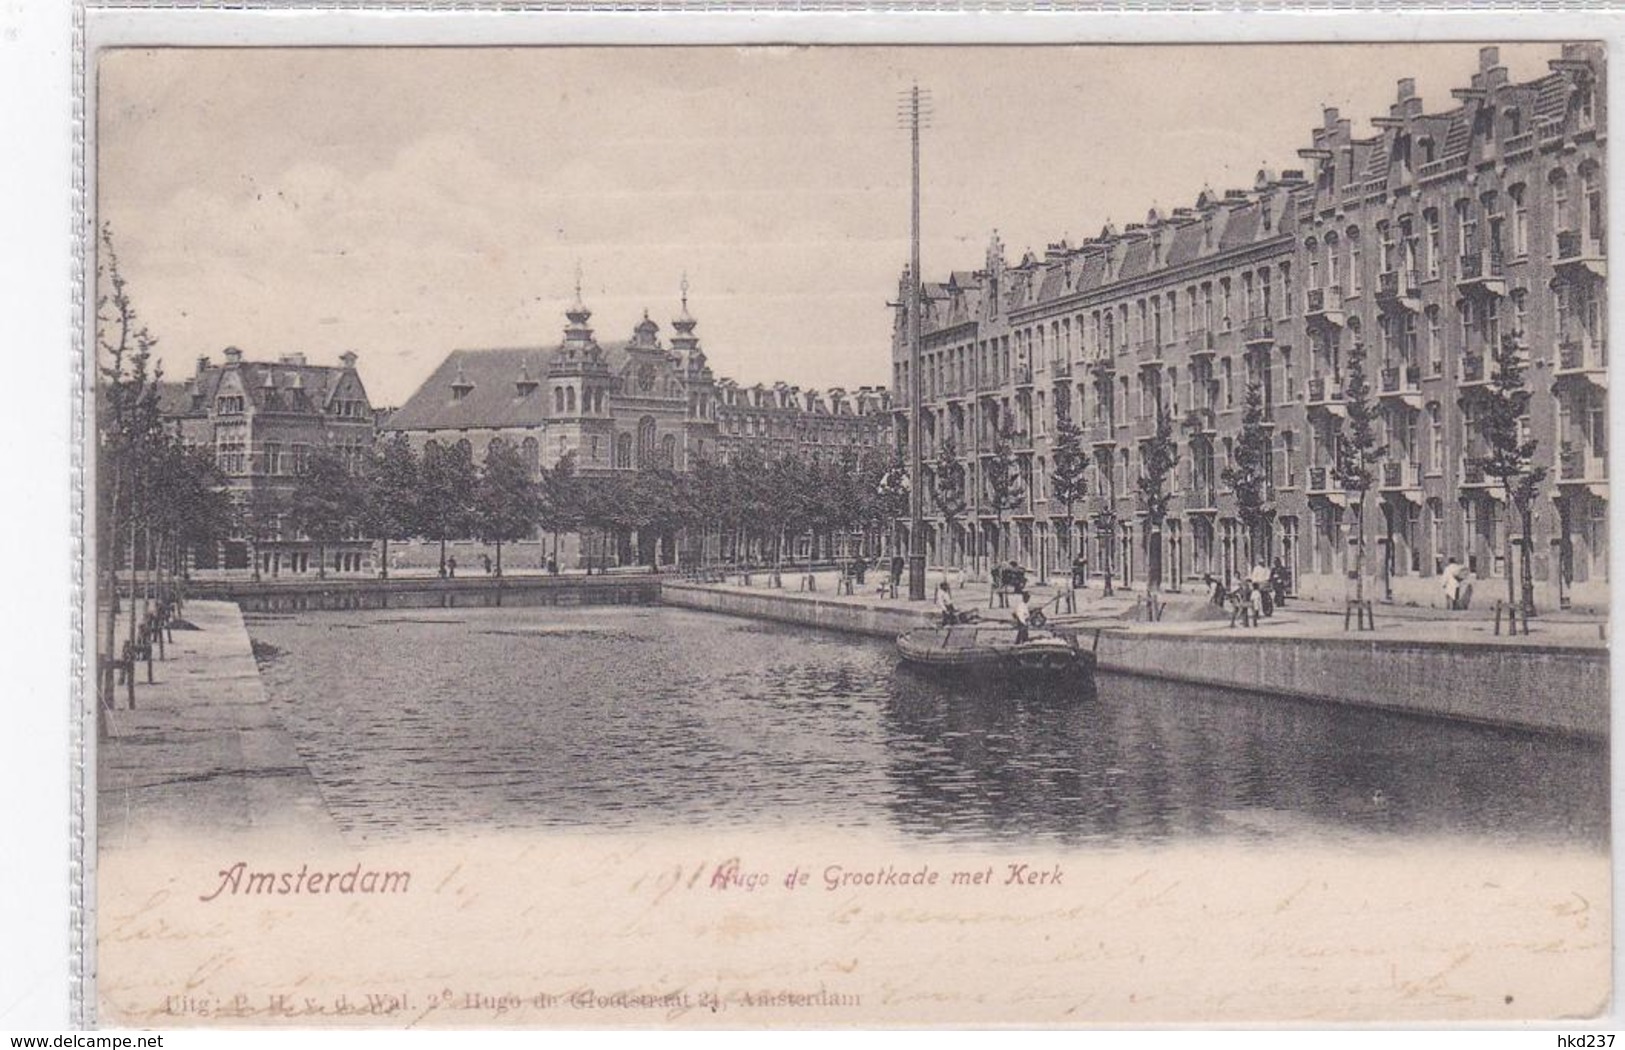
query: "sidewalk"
202, 751
1188, 612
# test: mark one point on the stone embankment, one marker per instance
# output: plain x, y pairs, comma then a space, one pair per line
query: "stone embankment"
202, 751
1422, 662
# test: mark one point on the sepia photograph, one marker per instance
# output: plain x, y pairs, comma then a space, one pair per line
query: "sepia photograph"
848, 536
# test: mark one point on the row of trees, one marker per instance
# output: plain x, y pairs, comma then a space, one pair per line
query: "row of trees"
154, 497
441, 494
1005, 485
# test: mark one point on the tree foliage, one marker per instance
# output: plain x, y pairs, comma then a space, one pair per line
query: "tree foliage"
1159, 454
1248, 473
1500, 414
1357, 454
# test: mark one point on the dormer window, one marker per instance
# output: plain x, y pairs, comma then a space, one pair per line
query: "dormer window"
229, 406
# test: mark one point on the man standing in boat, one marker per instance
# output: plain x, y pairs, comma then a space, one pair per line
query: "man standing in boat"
945, 605
1022, 615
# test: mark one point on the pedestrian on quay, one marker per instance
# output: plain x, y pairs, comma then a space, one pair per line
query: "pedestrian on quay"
552, 565
1278, 582
1215, 592
1022, 615
1451, 580
1080, 571
896, 570
451, 566
485, 563
1263, 601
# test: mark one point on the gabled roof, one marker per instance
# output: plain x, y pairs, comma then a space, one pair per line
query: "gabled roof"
491, 377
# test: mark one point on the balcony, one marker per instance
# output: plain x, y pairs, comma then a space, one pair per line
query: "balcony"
1203, 498
1400, 475
1402, 383
1482, 272
1473, 372
1199, 344
1325, 392
989, 382
1100, 432
1321, 482
1400, 289
1024, 375
1258, 331
1579, 256
1103, 365
1148, 352
1583, 359
1577, 466
1202, 421
1519, 144
1022, 441
1060, 369
1473, 476
1324, 306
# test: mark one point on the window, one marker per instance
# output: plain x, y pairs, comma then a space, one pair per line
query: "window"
1435, 342
1433, 246
1289, 377
623, 450
1591, 188
273, 457
1354, 262
1289, 461
1520, 220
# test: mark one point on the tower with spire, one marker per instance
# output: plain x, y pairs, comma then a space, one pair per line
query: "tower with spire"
580, 383
700, 424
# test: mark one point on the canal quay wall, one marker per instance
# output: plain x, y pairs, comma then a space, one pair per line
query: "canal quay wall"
203, 750
1526, 684
409, 592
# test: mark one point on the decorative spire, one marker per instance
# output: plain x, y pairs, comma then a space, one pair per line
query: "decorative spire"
684, 343
578, 312
579, 351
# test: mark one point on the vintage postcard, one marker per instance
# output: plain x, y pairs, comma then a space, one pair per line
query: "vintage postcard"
849, 535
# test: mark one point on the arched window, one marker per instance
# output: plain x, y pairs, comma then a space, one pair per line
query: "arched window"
558, 400
646, 441
431, 447
465, 448
623, 450
531, 452
668, 452
570, 399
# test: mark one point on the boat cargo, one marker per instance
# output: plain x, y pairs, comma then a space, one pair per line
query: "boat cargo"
991, 648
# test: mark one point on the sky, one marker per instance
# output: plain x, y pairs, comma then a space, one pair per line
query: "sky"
403, 203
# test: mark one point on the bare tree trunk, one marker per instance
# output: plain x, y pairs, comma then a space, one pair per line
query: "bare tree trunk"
1527, 573
1506, 546
1359, 549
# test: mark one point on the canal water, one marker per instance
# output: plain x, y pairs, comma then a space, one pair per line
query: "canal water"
620, 718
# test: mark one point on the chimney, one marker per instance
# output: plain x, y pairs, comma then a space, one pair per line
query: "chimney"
234, 356
1329, 117
347, 359
1488, 58
1407, 88
202, 363
293, 359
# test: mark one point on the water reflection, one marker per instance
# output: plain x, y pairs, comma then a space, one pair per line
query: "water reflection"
611, 718
1153, 760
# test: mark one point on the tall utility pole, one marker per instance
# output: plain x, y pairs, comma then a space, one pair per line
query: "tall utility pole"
916, 110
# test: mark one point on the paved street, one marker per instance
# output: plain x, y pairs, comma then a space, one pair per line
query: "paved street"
202, 751
1189, 613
